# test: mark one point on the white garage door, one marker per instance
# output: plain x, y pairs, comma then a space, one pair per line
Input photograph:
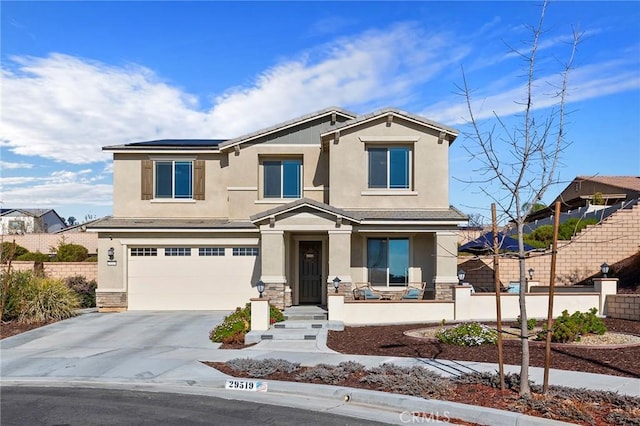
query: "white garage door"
191, 278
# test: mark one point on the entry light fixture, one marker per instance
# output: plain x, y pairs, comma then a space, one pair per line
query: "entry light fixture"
604, 268
336, 283
111, 252
260, 287
461, 275
531, 271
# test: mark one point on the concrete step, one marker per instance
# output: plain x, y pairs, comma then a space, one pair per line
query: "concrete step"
295, 331
308, 324
305, 313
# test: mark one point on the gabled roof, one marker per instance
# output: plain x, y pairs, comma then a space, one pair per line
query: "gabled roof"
285, 125
150, 224
396, 113
625, 182
28, 212
366, 216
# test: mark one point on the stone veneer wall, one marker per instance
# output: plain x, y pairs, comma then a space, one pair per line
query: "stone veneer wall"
111, 301
623, 306
615, 239
60, 270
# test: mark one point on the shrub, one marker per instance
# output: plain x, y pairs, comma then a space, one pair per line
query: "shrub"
46, 299
572, 226
17, 281
262, 367
415, 381
6, 251
86, 290
34, 257
531, 323
468, 334
569, 328
237, 324
71, 253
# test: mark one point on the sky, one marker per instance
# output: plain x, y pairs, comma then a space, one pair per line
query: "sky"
77, 76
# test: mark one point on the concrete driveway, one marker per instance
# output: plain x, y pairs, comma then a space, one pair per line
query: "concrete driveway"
127, 346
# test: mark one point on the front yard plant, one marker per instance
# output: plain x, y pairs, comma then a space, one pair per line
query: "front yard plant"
468, 334
569, 328
235, 325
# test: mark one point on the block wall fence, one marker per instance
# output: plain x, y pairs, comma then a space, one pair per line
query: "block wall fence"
615, 239
60, 270
44, 242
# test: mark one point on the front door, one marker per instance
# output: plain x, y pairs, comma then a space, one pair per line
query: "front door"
310, 267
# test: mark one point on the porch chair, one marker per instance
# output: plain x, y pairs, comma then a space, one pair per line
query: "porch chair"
365, 292
414, 291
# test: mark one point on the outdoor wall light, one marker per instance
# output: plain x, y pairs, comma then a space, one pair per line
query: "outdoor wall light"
336, 283
111, 252
531, 271
260, 287
604, 268
461, 275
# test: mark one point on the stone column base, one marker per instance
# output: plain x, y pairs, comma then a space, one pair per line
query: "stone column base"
276, 294
443, 291
111, 301
344, 289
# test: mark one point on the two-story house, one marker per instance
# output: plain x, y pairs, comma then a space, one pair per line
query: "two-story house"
197, 223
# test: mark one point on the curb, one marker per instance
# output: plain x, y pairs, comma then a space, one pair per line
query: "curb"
353, 402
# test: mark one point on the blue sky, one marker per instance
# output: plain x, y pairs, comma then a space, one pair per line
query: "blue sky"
77, 76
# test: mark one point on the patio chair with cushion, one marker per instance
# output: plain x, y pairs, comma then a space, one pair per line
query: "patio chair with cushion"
413, 292
365, 293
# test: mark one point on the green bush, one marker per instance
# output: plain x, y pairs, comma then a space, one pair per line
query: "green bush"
569, 328
71, 253
237, 324
531, 323
6, 251
17, 282
572, 226
468, 334
34, 257
85, 290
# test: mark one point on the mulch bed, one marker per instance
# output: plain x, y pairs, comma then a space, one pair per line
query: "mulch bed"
11, 328
389, 340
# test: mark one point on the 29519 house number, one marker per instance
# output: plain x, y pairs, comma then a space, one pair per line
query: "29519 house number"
246, 385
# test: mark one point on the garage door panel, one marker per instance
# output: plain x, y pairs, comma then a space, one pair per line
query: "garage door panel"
191, 282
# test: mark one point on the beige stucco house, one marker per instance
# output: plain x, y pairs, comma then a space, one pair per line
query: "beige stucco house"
197, 223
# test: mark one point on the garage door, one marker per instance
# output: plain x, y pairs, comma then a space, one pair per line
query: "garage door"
191, 278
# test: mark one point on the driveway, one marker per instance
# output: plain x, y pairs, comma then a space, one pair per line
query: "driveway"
126, 346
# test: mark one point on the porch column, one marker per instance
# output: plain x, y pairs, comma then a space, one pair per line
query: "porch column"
272, 254
340, 261
445, 264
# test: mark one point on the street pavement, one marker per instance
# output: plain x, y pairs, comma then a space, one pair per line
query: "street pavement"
161, 352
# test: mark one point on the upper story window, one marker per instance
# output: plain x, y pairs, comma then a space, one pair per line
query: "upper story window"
173, 179
282, 178
389, 167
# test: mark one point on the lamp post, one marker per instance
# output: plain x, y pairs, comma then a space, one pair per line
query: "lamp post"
531, 271
461, 275
260, 287
604, 268
336, 283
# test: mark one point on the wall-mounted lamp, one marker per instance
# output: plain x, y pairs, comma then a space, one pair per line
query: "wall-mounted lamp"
111, 252
260, 287
336, 283
461, 275
604, 268
531, 271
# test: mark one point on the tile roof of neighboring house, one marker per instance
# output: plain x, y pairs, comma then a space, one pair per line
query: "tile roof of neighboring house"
626, 182
146, 223
286, 124
362, 216
28, 212
416, 118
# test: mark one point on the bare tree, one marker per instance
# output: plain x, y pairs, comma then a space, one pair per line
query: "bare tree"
521, 161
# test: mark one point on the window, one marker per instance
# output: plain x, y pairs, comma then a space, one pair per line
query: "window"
388, 261
245, 251
144, 251
173, 179
211, 251
282, 178
389, 168
177, 251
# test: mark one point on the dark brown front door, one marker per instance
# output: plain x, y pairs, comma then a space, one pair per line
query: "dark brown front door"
310, 267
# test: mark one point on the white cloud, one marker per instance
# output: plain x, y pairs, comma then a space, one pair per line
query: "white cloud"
58, 194
7, 165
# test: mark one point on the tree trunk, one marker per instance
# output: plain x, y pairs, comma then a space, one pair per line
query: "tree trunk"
524, 331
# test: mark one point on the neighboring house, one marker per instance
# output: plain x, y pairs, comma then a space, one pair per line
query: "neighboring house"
197, 223
29, 221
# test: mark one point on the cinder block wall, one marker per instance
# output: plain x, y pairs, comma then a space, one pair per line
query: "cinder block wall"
61, 269
615, 239
44, 242
623, 306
